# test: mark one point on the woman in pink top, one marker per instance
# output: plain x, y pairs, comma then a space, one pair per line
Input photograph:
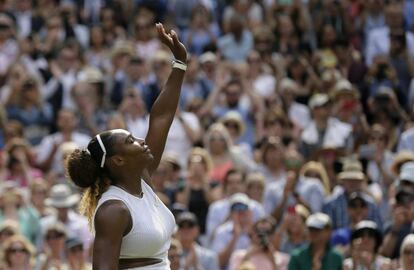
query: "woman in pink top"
262, 253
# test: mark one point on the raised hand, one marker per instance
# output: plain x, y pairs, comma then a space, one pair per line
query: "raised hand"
172, 42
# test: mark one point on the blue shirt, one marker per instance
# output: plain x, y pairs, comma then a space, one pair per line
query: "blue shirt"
336, 207
233, 50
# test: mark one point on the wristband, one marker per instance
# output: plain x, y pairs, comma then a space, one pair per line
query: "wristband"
179, 64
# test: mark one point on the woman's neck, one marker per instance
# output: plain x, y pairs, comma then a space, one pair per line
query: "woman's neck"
131, 185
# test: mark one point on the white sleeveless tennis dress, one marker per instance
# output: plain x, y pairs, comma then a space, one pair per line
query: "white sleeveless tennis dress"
152, 226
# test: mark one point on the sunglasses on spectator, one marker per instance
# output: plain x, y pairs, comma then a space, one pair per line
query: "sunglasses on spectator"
231, 125
4, 26
217, 138
408, 252
7, 233
54, 236
76, 248
17, 250
354, 205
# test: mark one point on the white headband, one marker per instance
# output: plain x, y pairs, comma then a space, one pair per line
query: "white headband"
103, 150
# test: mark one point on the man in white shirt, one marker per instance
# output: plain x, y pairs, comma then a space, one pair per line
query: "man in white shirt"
48, 153
378, 40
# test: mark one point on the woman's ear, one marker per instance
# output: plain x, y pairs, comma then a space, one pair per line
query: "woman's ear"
117, 160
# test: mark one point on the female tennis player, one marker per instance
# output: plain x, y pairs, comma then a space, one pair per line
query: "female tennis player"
133, 227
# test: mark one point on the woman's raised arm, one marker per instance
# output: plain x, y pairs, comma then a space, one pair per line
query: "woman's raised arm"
163, 110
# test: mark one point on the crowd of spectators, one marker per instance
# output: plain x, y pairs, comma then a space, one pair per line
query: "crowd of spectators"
292, 148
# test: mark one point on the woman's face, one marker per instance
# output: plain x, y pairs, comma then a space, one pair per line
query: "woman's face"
295, 224
30, 92
196, 166
407, 257
17, 255
97, 37
255, 191
131, 150
217, 143
38, 195
273, 155
56, 241
365, 243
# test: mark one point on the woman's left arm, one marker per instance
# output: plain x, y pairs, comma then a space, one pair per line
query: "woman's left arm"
164, 108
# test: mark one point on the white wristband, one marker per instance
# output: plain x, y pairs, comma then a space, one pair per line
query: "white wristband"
176, 64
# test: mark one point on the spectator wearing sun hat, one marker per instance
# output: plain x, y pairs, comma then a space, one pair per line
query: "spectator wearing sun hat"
352, 179
318, 254
64, 200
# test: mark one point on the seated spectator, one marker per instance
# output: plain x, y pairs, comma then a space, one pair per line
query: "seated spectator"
314, 169
38, 193
261, 253
63, 200
14, 207
75, 255
352, 179
18, 253
407, 253
318, 254
400, 225
272, 157
366, 240
31, 111
219, 211
323, 129
199, 192
48, 154
202, 32
20, 167
357, 212
8, 228
255, 186
233, 234
53, 249
296, 189
174, 255
292, 232
238, 42
218, 142
194, 255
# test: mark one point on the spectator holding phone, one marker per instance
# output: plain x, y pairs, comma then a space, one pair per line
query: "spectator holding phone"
401, 224
366, 239
261, 253
292, 232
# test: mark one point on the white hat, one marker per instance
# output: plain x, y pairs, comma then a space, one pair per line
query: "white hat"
61, 197
344, 87
90, 75
407, 172
288, 85
318, 100
207, 57
318, 221
239, 198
